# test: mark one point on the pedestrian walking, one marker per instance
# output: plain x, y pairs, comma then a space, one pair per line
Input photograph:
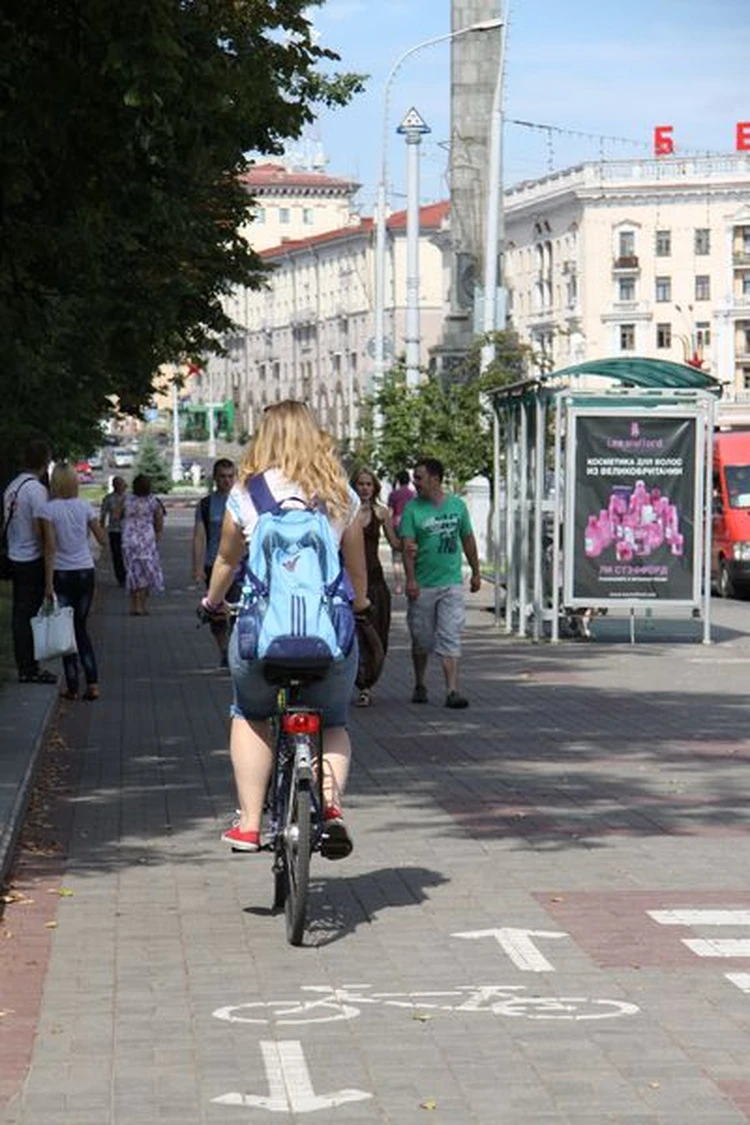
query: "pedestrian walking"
23, 502
435, 530
142, 524
399, 497
69, 570
209, 517
110, 518
375, 517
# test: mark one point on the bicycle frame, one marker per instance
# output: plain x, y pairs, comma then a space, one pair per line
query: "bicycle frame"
295, 803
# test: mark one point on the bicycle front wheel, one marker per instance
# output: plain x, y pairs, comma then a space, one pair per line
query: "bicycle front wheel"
297, 858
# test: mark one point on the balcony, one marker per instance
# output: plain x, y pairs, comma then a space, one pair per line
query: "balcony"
626, 310
626, 263
741, 258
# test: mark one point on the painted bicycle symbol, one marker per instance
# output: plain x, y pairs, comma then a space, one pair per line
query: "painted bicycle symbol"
328, 1005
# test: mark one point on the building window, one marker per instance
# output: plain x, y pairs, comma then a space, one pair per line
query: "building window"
626, 244
664, 289
746, 285
260, 216
664, 335
284, 215
702, 240
626, 289
703, 287
307, 216
703, 334
663, 243
627, 337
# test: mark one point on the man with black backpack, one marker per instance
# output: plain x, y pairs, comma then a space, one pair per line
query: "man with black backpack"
209, 517
24, 530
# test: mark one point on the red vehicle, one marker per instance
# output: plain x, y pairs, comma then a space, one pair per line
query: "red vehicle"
83, 470
730, 542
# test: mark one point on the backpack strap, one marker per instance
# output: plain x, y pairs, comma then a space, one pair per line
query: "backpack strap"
265, 501
261, 495
14, 503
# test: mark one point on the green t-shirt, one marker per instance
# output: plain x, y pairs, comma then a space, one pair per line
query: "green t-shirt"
439, 533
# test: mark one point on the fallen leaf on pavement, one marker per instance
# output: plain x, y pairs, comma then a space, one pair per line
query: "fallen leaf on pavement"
421, 1016
428, 1103
50, 925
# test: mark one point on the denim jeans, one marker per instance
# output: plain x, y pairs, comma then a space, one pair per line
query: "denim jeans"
28, 595
76, 588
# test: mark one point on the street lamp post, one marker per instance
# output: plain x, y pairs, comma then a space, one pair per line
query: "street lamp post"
381, 203
494, 291
176, 459
413, 128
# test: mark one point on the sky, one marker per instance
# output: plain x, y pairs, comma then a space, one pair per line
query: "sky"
605, 68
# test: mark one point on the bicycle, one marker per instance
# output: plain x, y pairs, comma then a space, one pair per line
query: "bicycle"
294, 798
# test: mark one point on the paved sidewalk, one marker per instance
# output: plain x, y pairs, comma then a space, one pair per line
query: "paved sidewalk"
25, 714
546, 917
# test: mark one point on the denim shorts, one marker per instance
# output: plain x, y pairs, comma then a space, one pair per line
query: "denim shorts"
436, 619
255, 699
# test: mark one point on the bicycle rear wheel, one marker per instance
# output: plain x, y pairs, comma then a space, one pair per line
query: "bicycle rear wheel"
296, 866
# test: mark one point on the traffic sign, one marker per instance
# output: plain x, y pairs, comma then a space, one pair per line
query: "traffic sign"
413, 123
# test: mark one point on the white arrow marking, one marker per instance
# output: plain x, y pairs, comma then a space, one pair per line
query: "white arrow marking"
700, 917
719, 947
519, 946
742, 980
289, 1087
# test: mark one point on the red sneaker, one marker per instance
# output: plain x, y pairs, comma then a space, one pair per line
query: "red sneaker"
336, 842
241, 841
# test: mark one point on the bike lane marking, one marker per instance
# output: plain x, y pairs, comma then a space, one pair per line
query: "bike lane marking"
290, 1088
492, 999
518, 945
711, 947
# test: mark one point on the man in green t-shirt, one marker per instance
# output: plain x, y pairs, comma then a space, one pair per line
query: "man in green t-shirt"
435, 528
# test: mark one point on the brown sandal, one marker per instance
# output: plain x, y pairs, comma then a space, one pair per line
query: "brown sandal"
69, 695
91, 693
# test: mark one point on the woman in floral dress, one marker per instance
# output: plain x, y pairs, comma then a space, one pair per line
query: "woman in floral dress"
142, 524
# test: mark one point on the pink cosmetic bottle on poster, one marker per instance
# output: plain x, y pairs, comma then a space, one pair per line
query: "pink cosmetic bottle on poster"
605, 528
592, 539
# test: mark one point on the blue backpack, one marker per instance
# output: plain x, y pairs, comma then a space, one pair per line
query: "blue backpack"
297, 598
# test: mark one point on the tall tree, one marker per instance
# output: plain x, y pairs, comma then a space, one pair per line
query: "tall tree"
124, 132
450, 420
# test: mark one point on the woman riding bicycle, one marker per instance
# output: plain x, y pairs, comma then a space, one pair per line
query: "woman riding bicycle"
297, 460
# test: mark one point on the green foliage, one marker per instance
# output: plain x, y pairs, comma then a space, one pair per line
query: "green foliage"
447, 420
151, 463
124, 129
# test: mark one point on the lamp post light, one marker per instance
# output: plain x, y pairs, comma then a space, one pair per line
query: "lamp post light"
381, 203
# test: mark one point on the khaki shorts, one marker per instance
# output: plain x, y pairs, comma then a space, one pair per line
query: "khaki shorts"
436, 620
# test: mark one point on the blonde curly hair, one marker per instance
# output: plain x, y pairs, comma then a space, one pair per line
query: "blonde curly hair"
289, 439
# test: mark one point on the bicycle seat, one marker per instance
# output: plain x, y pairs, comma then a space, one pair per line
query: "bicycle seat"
303, 670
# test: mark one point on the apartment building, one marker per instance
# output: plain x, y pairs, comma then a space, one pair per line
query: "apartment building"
309, 334
642, 257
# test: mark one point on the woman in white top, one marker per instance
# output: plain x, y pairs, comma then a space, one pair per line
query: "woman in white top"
69, 569
296, 459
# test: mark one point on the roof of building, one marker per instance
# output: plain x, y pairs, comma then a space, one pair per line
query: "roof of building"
277, 179
431, 217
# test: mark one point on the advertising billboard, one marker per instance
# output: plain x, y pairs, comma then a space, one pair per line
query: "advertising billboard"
633, 527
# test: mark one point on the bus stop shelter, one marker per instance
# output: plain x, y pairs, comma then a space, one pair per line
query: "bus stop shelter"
602, 497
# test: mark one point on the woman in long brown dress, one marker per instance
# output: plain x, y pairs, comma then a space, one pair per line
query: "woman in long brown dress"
374, 516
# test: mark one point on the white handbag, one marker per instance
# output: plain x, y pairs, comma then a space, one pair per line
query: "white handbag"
53, 631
